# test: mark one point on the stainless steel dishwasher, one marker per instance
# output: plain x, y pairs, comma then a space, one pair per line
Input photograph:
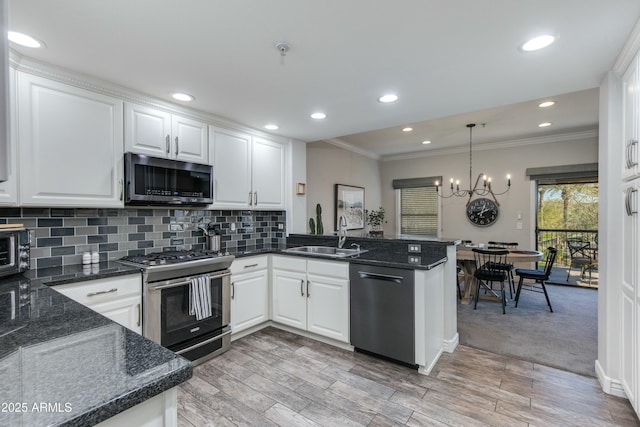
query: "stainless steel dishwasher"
382, 311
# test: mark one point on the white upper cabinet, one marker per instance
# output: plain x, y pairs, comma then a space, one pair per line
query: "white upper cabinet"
71, 145
159, 134
9, 188
249, 171
231, 160
631, 116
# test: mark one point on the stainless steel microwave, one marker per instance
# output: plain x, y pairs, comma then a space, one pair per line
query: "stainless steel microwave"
156, 181
15, 245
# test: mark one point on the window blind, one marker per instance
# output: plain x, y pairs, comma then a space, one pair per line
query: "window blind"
419, 211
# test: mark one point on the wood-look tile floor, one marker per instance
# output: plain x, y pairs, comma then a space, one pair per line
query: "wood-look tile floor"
273, 378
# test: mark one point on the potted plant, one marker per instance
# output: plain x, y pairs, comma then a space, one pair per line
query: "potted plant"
375, 219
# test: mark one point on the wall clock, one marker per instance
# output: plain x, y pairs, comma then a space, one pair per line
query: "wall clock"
482, 212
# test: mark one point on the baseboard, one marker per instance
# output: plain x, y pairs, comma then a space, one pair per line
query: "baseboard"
608, 384
450, 345
313, 336
426, 370
249, 331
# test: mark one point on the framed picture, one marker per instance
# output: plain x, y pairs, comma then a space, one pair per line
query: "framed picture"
350, 203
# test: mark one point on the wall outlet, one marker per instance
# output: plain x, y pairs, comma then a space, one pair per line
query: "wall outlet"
232, 226
414, 259
518, 225
414, 249
280, 226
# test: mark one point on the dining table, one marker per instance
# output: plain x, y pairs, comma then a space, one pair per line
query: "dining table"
466, 260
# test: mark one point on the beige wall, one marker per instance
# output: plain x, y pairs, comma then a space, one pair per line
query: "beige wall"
328, 165
497, 163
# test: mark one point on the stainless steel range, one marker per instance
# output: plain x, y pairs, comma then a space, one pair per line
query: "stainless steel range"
186, 301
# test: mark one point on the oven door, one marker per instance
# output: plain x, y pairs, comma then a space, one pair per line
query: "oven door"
167, 314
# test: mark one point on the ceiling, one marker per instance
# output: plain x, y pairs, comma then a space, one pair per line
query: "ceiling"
450, 62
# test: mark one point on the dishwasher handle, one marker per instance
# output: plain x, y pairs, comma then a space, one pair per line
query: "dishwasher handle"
376, 276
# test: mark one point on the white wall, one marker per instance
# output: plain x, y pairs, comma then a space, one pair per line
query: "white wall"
328, 165
296, 217
497, 163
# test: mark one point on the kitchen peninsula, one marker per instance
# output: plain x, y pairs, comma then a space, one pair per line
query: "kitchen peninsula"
65, 364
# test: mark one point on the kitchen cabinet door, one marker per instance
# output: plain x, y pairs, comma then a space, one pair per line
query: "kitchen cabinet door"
328, 306
71, 145
630, 304
631, 118
9, 188
190, 142
118, 298
268, 174
249, 300
289, 302
147, 131
231, 160
160, 134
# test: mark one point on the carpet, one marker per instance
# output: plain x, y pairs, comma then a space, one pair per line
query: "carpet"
565, 339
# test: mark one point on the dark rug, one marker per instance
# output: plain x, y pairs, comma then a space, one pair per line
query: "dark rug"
565, 339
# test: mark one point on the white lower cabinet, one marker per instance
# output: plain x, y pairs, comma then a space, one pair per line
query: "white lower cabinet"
118, 298
249, 292
312, 295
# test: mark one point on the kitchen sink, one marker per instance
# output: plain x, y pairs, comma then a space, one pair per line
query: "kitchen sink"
325, 251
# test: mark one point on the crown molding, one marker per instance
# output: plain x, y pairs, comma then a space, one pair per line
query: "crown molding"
629, 51
29, 65
339, 143
562, 137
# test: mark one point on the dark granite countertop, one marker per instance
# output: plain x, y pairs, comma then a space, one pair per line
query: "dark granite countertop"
76, 273
65, 364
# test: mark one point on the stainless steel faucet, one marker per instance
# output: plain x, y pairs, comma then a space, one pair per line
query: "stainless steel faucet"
342, 231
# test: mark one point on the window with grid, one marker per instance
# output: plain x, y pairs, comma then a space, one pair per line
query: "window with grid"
418, 206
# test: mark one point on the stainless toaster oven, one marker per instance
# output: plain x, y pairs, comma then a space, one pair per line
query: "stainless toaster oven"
15, 244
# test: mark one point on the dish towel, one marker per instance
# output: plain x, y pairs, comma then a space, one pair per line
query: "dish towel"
200, 298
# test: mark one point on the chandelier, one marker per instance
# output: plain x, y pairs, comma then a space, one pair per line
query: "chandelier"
484, 190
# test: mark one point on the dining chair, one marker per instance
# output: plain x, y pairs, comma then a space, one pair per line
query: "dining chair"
580, 254
538, 276
508, 267
487, 272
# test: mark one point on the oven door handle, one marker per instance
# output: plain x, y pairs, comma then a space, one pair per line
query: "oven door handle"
185, 282
205, 342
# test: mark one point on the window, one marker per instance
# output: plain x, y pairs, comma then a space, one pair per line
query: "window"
418, 206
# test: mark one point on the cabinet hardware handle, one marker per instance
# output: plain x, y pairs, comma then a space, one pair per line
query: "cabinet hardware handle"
627, 203
250, 265
93, 294
308, 293
233, 290
630, 157
187, 281
626, 155
176, 145
139, 314
168, 143
250, 198
255, 198
301, 288
121, 189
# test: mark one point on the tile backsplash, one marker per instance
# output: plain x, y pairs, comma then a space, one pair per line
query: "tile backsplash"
60, 235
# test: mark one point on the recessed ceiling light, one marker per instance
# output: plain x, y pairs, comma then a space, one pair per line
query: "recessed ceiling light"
24, 40
544, 124
182, 96
318, 116
426, 142
546, 104
537, 43
407, 129
271, 127
388, 98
